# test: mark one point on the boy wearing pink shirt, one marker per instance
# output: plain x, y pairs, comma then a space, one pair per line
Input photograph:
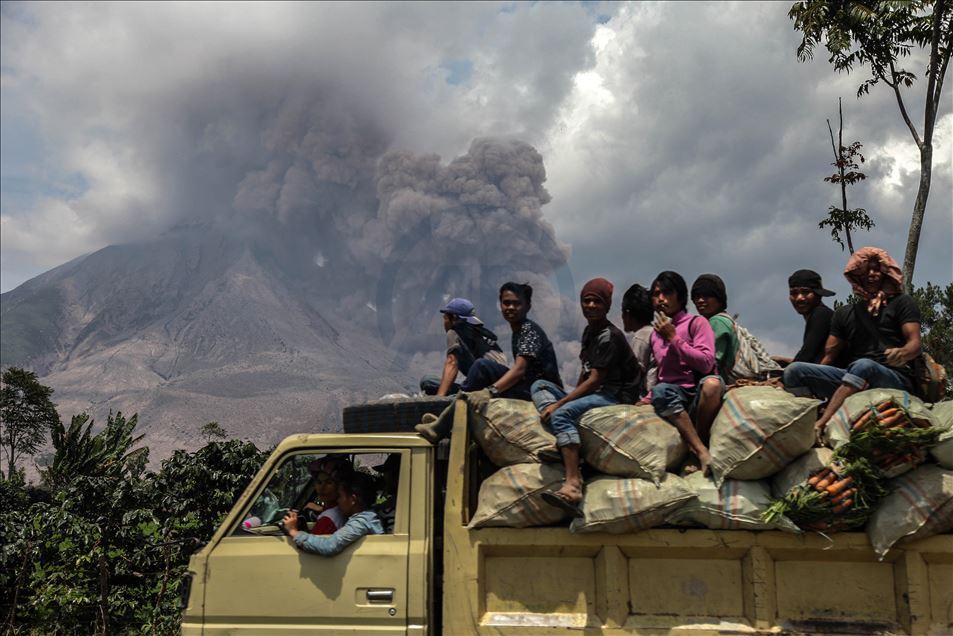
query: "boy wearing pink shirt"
684, 349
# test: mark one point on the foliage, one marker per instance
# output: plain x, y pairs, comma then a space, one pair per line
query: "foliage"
843, 219
103, 549
936, 312
213, 430
26, 414
881, 35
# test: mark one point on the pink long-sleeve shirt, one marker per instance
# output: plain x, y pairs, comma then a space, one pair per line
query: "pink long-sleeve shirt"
691, 351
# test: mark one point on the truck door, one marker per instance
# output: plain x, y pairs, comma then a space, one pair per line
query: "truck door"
257, 581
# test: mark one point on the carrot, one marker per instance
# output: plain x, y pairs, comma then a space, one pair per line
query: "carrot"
825, 482
842, 496
813, 480
842, 507
886, 404
861, 422
888, 413
889, 422
839, 486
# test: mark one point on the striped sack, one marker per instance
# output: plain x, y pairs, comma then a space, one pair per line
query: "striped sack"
510, 432
837, 432
630, 441
943, 451
920, 506
800, 470
737, 505
617, 505
758, 431
510, 497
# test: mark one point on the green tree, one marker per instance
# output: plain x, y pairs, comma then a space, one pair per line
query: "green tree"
843, 219
936, 312
213, 430
26, 414
881, 34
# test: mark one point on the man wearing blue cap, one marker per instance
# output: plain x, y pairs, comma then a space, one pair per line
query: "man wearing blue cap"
472, 349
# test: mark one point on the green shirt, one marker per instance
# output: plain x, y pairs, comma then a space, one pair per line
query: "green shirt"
726, 342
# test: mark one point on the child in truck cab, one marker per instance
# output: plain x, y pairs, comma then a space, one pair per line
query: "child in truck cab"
356, 495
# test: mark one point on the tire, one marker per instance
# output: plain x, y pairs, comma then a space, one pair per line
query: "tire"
391, 416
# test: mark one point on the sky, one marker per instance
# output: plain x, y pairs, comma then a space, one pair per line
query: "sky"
679, 135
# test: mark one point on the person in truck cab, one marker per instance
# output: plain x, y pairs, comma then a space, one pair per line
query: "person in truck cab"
880, 336
472, 350
684, 348
610, 375
326, 473
356, 495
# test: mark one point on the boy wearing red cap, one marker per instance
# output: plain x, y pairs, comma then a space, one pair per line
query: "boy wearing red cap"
610, 375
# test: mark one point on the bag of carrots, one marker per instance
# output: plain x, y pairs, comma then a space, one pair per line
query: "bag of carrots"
831, 498
943, 451
890, 429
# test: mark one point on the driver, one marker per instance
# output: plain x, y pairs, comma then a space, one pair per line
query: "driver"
356, 495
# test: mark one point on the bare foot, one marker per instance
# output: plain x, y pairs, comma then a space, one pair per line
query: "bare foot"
568, 498
571, 493
690, 466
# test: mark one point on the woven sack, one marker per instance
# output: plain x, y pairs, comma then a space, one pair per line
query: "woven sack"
510, 432
943, 452
510, 497
837, 431
800, 470
758, 431
630, 441
736, 505
920, 506
617, 505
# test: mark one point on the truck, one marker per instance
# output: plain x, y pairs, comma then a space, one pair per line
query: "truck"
433, 575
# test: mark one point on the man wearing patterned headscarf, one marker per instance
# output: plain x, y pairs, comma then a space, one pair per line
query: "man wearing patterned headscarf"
879, 335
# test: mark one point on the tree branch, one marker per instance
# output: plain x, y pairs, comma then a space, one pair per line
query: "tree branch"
903, 111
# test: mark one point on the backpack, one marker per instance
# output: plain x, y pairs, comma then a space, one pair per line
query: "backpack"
752, 361
929, 381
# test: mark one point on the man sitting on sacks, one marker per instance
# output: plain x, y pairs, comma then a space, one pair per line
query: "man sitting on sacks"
610, 375
806, 292
880, 336
533, 359
472, 349
684, 349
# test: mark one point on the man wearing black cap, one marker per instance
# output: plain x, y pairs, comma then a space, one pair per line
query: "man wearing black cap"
472, 350
806, 294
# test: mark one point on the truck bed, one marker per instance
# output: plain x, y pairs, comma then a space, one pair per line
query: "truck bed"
532, 580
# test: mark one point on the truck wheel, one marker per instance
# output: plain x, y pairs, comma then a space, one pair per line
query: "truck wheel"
391, 416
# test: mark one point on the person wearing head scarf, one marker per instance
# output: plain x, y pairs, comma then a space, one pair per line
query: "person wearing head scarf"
879, 337
472, 350
610, 375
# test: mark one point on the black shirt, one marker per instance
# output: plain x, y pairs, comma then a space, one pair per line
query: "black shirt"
868, 336
607, 349
816, 329
530, 341
472, 342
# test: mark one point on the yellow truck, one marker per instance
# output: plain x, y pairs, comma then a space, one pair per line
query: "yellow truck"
432, 575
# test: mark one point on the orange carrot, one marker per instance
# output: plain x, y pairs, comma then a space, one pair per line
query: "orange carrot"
825, 482
888, 413
861, 422
886, 404
839, 486
844, 505
844, 495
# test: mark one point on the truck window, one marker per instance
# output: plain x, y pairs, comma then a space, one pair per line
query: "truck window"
307, 482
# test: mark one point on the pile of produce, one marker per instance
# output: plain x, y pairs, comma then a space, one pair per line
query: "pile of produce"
884, 441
